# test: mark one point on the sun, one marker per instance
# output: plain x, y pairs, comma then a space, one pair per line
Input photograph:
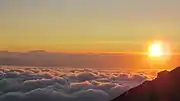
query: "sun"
156, 49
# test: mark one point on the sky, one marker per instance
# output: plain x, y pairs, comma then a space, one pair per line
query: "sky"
89, 26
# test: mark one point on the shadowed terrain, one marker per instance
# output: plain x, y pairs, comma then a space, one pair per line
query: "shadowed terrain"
166, 87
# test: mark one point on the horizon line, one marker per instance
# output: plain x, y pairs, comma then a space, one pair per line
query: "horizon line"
128, 52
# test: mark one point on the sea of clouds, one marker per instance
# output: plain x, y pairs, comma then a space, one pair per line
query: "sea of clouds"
64, 84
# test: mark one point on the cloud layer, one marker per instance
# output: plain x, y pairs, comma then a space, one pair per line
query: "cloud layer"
59, 84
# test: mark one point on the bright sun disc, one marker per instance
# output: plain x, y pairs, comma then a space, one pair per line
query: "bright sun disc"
156, 49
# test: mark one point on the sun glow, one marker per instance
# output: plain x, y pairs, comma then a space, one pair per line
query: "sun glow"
156, 49
160, 54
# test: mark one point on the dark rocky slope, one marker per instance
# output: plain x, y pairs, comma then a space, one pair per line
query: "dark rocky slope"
166, 87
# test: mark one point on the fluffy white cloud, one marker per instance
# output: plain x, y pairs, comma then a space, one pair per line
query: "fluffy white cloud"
59, 84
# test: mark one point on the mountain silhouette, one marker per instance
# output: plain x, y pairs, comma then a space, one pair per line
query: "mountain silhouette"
166, 87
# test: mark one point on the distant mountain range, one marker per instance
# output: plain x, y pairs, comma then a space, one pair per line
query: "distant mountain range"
166, 87
43, 58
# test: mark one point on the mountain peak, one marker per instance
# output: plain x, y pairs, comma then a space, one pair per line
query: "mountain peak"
162, 73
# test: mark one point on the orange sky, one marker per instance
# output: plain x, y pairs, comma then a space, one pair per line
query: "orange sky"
88, 26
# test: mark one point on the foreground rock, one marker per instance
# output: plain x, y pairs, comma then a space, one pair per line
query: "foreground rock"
166, 87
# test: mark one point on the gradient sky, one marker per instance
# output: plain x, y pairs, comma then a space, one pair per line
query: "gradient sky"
87, 25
